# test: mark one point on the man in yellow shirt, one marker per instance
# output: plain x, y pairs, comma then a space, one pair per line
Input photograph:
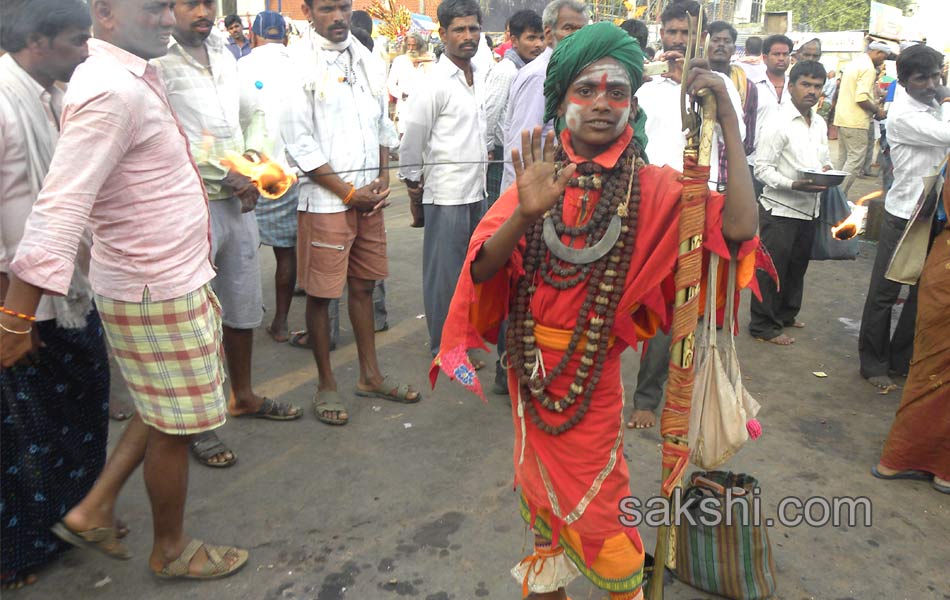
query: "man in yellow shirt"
856, 105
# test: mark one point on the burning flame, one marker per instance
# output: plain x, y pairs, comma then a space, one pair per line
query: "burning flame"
848, 228
268, 176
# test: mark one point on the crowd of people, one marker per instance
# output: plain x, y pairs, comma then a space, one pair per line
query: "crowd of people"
547, 180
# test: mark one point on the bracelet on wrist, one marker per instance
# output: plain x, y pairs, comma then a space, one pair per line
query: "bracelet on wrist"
349, 195
15, 332
19, 315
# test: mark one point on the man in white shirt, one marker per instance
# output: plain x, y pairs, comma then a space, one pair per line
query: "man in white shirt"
771, 90
201, 77
338, 133
266, 79
918, 129
527, 43
660, 98
722, 46
752, 62
407, 73
794, 139
444, 154
560, 19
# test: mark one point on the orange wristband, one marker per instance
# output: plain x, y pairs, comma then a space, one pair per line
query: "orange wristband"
350, 194
19, 315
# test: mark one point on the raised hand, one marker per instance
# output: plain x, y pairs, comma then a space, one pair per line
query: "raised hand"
539, 184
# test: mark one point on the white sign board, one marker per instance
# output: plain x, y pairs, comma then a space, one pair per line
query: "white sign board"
886, 21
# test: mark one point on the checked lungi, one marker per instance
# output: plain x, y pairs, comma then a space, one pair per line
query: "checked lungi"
170, 355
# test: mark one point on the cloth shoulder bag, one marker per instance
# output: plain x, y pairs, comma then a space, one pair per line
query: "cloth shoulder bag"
907, 262
721, 405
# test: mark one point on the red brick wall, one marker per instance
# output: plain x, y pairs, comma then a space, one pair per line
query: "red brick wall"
292, 7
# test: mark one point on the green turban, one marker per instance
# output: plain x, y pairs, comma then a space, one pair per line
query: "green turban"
583, 47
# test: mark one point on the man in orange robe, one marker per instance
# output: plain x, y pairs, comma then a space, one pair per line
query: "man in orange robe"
573, 481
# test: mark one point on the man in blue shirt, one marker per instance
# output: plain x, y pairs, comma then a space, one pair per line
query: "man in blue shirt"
238, 44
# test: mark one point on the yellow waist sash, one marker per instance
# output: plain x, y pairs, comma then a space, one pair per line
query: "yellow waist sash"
559, 339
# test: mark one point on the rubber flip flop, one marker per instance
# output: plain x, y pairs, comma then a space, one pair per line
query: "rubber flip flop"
273, 411
205, 447
329, 401
387, 391
274, 336
297, 340
911, 474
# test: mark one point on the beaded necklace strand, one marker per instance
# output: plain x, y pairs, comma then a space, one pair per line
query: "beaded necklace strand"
605, 278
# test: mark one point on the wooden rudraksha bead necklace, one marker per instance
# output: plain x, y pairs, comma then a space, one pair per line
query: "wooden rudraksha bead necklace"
604, 277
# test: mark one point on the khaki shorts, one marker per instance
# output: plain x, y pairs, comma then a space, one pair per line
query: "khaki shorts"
334, 246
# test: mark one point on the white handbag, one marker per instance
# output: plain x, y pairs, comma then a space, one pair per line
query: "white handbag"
723, 411
907, 262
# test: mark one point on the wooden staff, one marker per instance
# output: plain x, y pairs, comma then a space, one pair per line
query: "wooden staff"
674, 420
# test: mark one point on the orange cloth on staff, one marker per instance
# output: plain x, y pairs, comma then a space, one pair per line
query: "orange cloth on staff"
920, 436
579, 477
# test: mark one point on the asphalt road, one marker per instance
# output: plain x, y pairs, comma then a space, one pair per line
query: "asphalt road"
417, 501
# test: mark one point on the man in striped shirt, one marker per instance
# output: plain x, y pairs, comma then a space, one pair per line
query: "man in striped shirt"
203, 88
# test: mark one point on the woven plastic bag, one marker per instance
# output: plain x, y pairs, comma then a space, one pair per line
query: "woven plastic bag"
732, 558
723, 411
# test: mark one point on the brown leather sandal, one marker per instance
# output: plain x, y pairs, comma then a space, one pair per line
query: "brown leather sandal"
218, 565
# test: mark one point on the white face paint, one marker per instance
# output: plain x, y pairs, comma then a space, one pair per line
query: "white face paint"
603, 77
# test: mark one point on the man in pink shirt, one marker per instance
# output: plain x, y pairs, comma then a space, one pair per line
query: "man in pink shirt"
123, 168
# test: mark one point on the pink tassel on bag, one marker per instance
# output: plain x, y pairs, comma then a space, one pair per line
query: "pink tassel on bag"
754, 428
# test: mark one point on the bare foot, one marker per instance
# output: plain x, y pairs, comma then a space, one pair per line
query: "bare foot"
796, 325
83, 519
883, 383
886, 471
18, 581
121, 528
779, 340
641, 419
477, 363
279, 332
